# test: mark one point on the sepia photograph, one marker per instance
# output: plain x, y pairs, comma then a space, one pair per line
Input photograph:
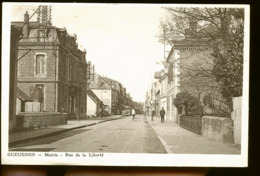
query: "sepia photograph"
125, 84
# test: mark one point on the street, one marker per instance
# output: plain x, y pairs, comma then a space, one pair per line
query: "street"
124, 135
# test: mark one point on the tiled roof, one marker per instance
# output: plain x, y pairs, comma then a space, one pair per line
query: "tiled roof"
96, 84
93, 96
22, 96
20, 24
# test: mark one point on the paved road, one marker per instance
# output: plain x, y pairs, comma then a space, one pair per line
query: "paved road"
124, 135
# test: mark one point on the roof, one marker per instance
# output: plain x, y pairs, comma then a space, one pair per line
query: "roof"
22, 96
157, 75
20, 24
170, 55
203, 38
93, 96
99, 83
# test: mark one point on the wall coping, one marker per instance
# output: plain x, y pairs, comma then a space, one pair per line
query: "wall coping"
216, 117
39, 113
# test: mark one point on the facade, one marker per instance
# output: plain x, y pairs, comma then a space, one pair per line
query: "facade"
94, 104
104, 92
163, 93
117, 105
16, 34
111, 93
51, 68
189, 54
157, 95
172, 68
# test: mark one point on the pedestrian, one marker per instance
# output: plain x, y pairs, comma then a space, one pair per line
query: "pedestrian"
133, 113
162, 113
100, 112
153, 113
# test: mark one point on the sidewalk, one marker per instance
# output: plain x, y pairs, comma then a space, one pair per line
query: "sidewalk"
181, 141
15, 138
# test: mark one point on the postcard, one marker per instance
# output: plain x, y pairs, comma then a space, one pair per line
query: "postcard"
157, 85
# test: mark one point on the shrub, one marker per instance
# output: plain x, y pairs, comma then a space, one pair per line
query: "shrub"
188, 103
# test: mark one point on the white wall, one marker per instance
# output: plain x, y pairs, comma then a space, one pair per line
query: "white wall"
104, 95
18, 105
91, 107
236, 116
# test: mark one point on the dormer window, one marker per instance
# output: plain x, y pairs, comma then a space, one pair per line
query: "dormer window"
41, 35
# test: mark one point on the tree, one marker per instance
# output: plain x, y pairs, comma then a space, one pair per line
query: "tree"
208, 102
188, 103
223, 31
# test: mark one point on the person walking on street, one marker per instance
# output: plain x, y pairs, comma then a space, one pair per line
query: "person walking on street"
133, 113
162, 114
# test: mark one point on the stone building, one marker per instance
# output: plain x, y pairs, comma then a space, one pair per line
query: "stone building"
16, 34
51, 69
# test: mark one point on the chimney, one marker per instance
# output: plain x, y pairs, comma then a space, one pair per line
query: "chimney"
192, 31
26, 25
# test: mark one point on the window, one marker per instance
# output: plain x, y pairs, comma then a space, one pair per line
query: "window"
40, 64
41, 35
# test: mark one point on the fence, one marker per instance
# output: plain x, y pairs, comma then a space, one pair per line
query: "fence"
191, 123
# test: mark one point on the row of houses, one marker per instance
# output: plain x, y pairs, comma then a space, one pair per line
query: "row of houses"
188, 70
184, 70
109, 94
51, 80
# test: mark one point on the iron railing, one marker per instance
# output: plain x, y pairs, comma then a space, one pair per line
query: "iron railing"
191, 123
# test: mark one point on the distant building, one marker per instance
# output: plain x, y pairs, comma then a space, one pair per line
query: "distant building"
94, 104
104, 92
117, 106
163, 92
157, 96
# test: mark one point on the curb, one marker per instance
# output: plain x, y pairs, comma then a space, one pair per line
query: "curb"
165, 145
56, 132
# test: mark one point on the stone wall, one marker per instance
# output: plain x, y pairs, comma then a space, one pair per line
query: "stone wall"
218, 129
42, 119
236, 116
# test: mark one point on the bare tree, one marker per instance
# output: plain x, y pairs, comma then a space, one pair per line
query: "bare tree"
221, 29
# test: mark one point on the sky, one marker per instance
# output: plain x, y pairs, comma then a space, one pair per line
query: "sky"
120, 40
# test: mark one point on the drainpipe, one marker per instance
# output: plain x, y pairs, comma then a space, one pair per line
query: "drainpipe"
56, 79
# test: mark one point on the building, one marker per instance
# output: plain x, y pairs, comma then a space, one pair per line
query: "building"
16, 34
117, 106
157, 91
94, 104
172, 70
163, 93
51, 69
188, 65
104, 92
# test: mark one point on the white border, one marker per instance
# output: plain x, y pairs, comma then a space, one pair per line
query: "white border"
119, 159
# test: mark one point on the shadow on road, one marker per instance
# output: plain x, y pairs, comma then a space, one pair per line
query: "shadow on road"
32, 149
47, 140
